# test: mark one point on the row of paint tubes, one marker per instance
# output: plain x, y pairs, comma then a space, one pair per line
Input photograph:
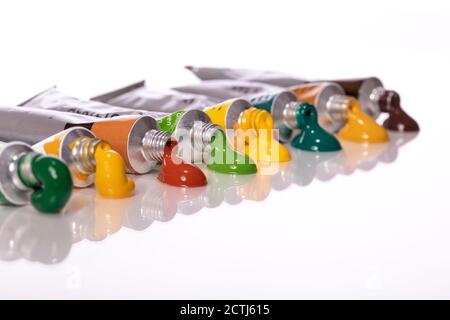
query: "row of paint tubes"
48, 239
134, 128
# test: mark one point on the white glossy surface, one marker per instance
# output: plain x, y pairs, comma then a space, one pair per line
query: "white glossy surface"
365, 224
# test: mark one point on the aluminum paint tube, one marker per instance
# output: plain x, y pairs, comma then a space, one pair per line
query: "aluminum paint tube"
90, 160
371, 93
138, 96
283, 105
329, 98
340, 113
33, 125
236, 109
228, 89
279, 102
269, 77
137, 138
375, 99
53, 99
30, 177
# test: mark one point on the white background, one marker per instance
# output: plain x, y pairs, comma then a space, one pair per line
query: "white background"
382, 233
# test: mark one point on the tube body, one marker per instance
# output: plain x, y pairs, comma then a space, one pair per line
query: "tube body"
138, 96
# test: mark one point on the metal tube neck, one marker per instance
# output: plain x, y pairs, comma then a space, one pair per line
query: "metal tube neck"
290, 114
153, 144
376, 95
338, 107
83, 153
202, 134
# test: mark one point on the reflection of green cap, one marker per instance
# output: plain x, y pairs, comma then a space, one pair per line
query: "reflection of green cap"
226, 160
51, 182
312, 136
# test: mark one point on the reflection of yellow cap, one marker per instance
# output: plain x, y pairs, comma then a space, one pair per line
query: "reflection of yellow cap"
361, 155
362, 128
109, 216
258, 189
257, 137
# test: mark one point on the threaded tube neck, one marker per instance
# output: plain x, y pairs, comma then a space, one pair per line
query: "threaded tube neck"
338, 106
83, 153
153, 144
203, 134
290, 115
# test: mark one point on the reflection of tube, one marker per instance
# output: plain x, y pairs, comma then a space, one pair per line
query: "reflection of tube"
365, 157
161, 203
361, 156
155, 202
258, 189
29, 177
310, 165
398, 139
42, 238
224, 187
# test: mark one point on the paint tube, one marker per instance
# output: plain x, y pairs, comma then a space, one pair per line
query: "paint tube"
30, 177
269, 77
228, 89
145, 142
33, 125
370, 91
283, 105
138, 96
53, 99
136, 138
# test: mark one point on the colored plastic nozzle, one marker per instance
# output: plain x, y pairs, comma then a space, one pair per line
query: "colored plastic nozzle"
398, 119
312, 137
53, 183
176, 172
226, 160
362, 128
110, 178
257, 139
